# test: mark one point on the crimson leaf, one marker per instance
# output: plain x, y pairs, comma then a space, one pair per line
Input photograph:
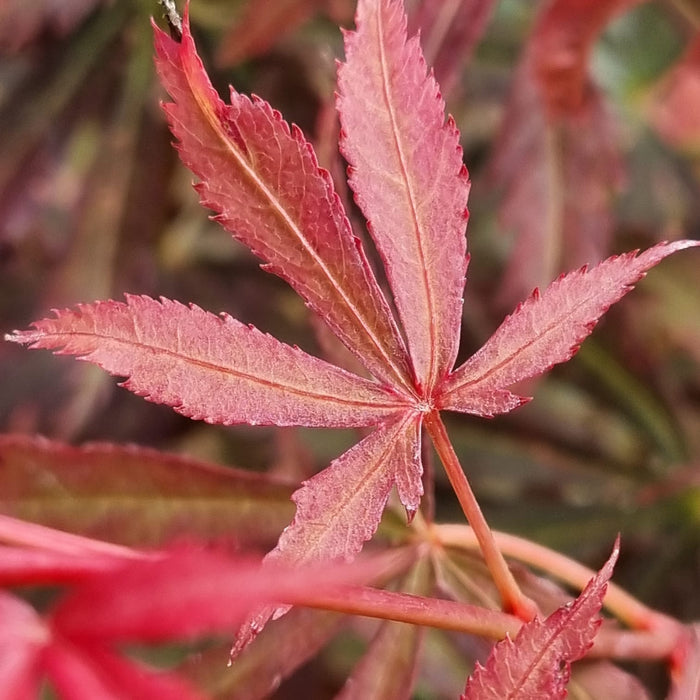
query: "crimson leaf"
536, 664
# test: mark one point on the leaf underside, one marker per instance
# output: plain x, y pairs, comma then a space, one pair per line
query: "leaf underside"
409, 180
263, 180
209, 367
545, 330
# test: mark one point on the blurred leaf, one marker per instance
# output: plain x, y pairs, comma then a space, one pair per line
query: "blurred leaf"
21, 22
685, 683
388, 667
675, 111
138, 496
449, 31
601, 679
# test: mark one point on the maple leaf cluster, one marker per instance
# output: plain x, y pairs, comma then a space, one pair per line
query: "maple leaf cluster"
262, 179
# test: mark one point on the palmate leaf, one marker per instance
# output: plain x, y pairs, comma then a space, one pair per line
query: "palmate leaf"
536, 664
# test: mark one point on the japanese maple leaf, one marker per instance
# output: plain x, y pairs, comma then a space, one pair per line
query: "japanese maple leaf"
262, 179
537, 663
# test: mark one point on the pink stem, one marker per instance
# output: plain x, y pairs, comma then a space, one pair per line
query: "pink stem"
513, 598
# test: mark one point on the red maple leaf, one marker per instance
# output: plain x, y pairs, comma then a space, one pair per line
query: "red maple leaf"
262, 179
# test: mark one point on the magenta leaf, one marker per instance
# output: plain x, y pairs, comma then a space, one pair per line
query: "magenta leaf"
409, 180
263, 180
25, 566
537, 663
546, 329
209, 367
87, 672
685, 683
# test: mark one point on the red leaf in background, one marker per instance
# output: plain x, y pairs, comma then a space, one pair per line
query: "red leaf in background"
143, 597
557, 160
258, 26
557, 181
675, 111
536, 664
36, 554
449, 31
685, 682
209, 367
138, 496
86, 672
560, 47
409, 180
546, 329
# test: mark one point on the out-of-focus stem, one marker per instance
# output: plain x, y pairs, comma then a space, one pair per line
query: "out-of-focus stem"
624, 606
513, 598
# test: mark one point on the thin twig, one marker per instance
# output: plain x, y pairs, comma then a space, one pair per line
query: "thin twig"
173, 18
